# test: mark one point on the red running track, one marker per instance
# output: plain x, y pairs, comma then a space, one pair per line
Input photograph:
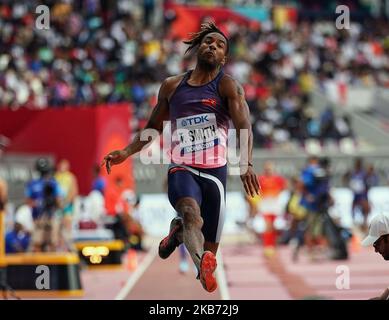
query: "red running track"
247, 275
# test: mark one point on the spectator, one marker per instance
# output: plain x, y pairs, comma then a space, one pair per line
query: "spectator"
44, 197
356, 180
23, 216
104, 57
99, 182
69, 188
327, 123
372, 179
379, 237
17, 240
96, 53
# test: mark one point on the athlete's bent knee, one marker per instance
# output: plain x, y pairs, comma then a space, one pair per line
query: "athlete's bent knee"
190, 212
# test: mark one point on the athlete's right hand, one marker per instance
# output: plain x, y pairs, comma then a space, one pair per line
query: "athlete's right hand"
113, 158
250, 181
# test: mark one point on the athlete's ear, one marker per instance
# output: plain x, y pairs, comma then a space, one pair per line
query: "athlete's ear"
224, 61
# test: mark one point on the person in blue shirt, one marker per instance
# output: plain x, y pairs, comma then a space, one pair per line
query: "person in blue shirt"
308, 177
372, 178
313, 179
99, 182
358, 181
44, 197
17, 240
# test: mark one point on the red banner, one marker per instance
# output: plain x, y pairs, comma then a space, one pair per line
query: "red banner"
189, 18
83, 135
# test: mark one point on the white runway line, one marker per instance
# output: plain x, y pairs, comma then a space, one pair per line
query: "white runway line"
133, 279
221, 277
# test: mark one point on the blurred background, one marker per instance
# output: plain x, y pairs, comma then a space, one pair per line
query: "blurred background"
83, 87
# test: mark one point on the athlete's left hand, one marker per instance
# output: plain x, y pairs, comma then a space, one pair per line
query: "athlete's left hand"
250, 182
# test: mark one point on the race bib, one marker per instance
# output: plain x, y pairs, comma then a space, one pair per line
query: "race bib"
197, 133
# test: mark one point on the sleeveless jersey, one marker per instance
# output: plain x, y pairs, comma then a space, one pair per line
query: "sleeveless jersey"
199, 124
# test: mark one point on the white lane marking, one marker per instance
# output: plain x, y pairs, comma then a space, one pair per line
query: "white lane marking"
221, 277
133, 279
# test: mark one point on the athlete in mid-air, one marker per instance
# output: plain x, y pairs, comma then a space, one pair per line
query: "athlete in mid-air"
199, 105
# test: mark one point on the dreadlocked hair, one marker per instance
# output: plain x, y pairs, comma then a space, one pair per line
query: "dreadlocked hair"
197, 37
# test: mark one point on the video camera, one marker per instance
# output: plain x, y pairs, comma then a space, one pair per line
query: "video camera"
322, 178
49, 203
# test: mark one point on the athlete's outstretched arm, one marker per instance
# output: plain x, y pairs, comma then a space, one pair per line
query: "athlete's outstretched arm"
240, 115
160, 113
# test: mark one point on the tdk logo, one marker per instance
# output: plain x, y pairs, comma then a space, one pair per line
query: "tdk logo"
194, 120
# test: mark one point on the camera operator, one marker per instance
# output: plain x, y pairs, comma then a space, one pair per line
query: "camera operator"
43, 195
314, 229
331, 231
323, 176
317, 200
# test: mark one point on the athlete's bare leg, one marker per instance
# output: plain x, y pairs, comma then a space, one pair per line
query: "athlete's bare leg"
193, 238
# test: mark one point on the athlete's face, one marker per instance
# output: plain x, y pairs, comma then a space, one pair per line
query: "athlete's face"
382, 246
212, 50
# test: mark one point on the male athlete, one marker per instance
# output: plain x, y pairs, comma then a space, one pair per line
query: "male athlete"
199, 105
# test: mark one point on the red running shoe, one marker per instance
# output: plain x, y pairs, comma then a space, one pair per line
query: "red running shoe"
208, 266
170, 243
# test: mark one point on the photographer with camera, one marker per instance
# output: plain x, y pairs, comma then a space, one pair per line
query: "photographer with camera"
331, 230
312, 191
321, 231
43, 196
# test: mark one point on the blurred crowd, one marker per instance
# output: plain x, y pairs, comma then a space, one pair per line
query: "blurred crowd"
311, 222
54, 216
106, 52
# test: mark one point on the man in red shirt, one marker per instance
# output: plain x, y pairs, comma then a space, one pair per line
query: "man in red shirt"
272, 185
116, 208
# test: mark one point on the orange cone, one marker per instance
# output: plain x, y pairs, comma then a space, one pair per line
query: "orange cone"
132, 259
